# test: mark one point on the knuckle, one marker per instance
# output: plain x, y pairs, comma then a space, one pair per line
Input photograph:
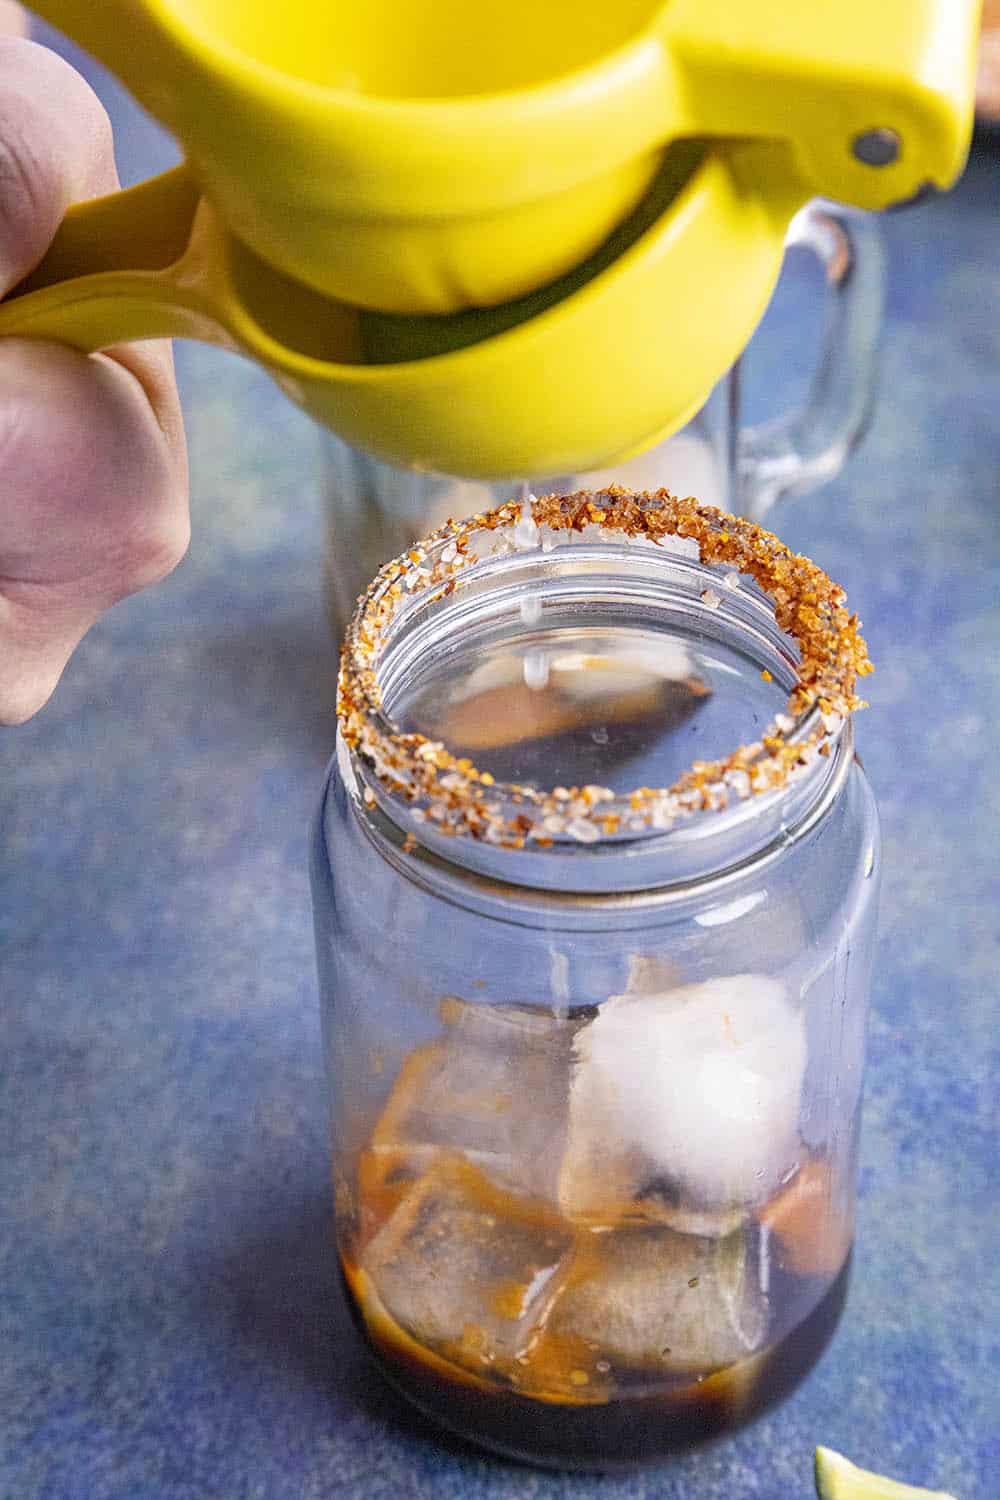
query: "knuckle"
23, 693
28, 189
156, 550
96, 494
17, 707
15, 430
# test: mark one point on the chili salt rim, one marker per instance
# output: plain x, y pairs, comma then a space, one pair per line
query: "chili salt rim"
459, 799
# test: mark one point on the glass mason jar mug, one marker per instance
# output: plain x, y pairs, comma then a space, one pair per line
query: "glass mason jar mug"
375, 511
594, 973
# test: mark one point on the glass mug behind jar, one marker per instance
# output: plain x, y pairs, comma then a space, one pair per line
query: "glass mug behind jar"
375, 511
595, 1060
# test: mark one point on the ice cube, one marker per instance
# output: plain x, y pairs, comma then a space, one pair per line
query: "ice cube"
462, 1265
651, 974
618, 672
497, 705
649, 1299
494, 1089
812, 1220
685, 1104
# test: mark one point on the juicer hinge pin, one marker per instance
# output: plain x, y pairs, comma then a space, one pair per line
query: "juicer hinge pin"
877, 148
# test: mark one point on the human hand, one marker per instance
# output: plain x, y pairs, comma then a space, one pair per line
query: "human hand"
93, 467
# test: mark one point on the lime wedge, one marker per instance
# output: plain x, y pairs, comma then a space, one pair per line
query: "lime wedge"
838, 1479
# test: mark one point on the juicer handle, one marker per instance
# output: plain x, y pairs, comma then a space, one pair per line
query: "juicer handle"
805, 448
137, 264
107, 277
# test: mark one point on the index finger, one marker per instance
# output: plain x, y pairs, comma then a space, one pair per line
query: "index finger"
55, 149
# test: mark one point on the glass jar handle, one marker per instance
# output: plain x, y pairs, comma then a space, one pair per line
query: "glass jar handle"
803, 448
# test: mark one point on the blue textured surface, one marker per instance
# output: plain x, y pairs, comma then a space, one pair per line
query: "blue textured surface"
170, 1322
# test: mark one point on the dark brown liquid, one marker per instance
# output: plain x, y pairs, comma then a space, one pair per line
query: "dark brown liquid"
622, 1432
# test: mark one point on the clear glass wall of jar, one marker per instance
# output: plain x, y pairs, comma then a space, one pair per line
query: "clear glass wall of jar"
595, 1098
375, 511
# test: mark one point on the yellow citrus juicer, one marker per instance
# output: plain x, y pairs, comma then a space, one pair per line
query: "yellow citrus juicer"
492, 238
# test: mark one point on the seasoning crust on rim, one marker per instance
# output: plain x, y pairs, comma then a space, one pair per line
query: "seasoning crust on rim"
459, 799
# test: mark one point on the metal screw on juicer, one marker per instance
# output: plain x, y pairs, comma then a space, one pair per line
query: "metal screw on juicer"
877, 148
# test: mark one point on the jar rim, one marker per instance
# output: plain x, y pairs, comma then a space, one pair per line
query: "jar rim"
451, 796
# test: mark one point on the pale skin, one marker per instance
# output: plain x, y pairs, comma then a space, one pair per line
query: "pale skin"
93, 466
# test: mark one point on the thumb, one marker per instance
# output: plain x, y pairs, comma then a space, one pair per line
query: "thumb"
55, 149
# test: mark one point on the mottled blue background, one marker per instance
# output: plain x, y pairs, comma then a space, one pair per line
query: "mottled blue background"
170, 1322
